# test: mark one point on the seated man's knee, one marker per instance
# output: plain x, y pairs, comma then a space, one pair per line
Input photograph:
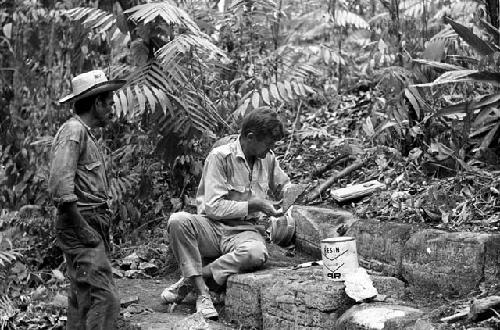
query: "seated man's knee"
177, 220
255, 253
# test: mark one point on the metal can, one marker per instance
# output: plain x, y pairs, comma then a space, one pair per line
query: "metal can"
339, 257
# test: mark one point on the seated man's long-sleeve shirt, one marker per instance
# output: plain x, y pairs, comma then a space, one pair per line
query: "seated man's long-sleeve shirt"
227, 183
77, 172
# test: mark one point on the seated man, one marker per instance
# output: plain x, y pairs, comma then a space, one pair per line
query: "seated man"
231, 196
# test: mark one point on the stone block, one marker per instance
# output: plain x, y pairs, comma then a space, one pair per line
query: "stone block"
452, 264
492, 260
285, 298
389, 286
243, 297
303, 299
380, 244
378, 316
313, 224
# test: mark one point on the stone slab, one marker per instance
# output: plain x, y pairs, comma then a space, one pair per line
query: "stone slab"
378, 316
289, 298
492, 260
313, 224
380, 244
452, 264
303, 300
243, 297
389, 286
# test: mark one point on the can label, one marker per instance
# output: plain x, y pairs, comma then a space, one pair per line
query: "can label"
339, 257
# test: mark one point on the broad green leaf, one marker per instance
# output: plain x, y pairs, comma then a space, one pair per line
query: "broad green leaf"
7, 30
439, 65
473, 105
368, 127
150, 97
296, 88
282, 90
288, 88
140, 97
160, 95
385, 126
242, 108
413, 101
130, 98
265, 96
274, 92
488, 139
121, 20
308, 89
486, 116
460, 76
302, 89
255, 100
478, 44
123, 101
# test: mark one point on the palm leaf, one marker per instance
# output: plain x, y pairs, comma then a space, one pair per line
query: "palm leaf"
479, 45
165, 10
184, 43
465, 76
100, 21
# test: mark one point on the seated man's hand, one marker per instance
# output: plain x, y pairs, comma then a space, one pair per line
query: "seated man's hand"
263, 205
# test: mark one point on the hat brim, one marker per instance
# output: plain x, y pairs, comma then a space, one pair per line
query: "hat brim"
106, 86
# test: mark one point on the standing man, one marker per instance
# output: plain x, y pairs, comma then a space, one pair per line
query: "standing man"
79, 188
232, 194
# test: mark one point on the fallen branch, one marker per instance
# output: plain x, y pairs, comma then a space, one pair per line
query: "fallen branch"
484, 308
328, 165
325, 185
455, 317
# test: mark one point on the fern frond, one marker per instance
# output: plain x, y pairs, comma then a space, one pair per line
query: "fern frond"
151, 85
344, 18
7, 257
256, 7
120, 186
459, 10
120, 71
274, 93
165, 10
185, 43
100, 21
393, 79
414, 8
7, 311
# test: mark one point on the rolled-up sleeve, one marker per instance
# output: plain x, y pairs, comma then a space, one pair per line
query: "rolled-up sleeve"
216, 190
66, 151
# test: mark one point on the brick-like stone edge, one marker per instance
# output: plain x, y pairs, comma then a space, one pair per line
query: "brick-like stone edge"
391, 249
380, 245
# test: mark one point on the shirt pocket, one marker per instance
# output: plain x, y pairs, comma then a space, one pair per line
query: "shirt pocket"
91, 174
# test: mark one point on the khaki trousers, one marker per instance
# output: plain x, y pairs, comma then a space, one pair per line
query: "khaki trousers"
93, 302
194, 237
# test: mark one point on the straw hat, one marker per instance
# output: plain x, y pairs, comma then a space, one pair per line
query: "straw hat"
91, 83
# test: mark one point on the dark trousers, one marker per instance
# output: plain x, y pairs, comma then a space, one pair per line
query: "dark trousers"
92, 296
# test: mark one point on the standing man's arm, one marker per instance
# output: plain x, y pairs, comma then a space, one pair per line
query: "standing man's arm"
62, 185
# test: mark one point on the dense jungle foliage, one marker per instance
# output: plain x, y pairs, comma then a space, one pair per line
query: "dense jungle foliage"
409, 88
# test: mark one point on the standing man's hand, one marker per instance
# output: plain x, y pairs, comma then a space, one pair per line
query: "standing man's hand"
73, 218
265, 206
